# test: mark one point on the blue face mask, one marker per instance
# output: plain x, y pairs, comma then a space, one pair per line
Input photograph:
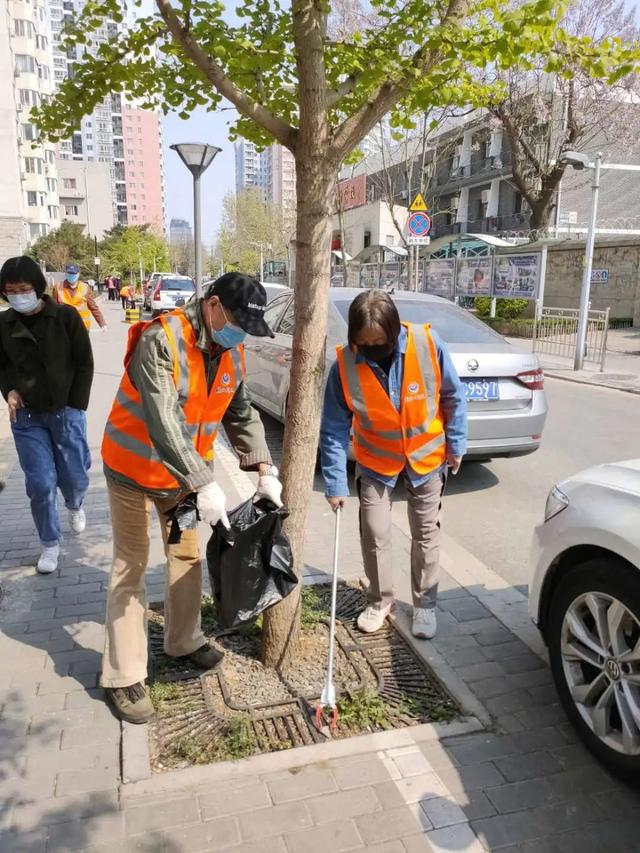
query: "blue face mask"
72, 278
24, 303
228, 336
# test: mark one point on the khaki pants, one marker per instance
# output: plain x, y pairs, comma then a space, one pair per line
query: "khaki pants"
125, 652
423, 506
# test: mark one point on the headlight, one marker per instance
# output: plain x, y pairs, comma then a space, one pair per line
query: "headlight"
556, 502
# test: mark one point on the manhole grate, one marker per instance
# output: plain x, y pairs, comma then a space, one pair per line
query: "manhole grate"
200, 707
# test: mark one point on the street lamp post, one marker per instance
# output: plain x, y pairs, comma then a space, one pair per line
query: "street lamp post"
197, 157
581, 161
261, 246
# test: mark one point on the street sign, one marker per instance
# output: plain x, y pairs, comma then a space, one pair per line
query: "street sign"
96, 261
419, 224
599, 276
413, 240
418, 203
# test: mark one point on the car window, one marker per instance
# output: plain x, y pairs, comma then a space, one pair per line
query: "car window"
453, 324
288, 319
183, 284
274, 310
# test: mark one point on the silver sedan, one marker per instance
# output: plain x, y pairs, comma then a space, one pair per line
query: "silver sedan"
585, 598
504, 386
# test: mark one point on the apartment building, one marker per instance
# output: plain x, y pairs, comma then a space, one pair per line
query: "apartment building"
143, 168
180, 231
29, 205
85, 195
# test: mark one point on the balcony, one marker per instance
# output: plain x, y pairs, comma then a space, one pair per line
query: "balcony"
496, 225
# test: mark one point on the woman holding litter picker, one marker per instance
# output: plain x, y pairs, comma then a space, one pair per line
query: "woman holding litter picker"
395, 388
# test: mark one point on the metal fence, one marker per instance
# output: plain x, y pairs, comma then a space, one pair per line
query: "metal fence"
555, 333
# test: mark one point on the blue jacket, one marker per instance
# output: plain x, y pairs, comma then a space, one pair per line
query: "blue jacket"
335, 429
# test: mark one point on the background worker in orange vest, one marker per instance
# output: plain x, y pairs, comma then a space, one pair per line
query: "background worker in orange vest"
396, 387
126, 295
184, 377
77, 293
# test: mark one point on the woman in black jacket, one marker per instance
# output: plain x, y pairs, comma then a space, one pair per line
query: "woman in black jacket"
46, 371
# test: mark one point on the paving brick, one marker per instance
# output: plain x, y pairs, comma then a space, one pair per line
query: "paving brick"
343, 805
475, 804
387, 825
212, 835
76, 781
79, 758
523, 663
466, 610
309, 782
414, 789
537, 823
342, 835
84, 698
443, 811
359, 774
510, 724
267, 845
481, 747
278, 820
463, 657
508, 703
438, 756
83, 610
532, 678
472, 777
47, 812
520, 767
532, 793
233, 801
412, 763
68, 684
459, 838
493, 635
35, 841
79, 834
155, 816
477, 671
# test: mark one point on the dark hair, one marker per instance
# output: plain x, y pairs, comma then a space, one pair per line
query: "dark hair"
22, 270
373, 308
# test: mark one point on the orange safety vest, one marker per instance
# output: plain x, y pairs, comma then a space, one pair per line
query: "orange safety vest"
127, 447
385, 439
77, 297
125, 291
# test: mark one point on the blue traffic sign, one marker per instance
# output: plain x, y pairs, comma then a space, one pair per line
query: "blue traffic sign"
419, 224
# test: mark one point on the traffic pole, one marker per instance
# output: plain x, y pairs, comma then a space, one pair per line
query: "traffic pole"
588, 265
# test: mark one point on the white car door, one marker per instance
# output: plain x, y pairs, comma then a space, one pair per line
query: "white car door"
259, 355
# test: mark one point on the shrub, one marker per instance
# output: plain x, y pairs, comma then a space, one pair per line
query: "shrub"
506, 309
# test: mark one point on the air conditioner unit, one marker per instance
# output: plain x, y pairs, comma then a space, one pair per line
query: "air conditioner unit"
484, 196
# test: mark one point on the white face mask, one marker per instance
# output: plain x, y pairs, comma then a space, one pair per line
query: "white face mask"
24, 303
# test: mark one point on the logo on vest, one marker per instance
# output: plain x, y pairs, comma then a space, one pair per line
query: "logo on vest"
412, 393
226, 379
224, 387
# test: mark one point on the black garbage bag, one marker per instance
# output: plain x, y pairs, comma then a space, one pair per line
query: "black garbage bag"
251, 565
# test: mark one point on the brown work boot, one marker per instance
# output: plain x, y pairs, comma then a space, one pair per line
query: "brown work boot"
131, 704
206, 657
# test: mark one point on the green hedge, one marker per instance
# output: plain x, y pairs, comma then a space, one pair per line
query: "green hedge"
506, 309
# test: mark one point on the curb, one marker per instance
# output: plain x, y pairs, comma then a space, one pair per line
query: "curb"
550, 374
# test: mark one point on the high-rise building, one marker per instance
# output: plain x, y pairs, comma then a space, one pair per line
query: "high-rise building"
180, 231
28, 183
101, 135
272, 171
85, 195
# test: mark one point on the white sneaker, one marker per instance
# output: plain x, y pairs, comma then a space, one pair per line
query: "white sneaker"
48, 561
77, 520
372, 619
424, 623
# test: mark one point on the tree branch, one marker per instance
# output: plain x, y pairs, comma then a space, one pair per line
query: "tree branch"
284, 133
353, 129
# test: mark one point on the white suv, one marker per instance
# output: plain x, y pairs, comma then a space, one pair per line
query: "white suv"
171, 291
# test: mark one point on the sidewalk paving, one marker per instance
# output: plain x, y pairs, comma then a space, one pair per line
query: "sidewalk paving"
523, 784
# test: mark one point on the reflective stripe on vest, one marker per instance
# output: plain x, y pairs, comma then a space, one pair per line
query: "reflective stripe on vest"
386, 439
77, 298
127, 447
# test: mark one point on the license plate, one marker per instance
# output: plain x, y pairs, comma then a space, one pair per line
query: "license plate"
482, 390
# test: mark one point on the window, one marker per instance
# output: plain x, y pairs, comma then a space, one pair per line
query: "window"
29, 132
71, 210
25, 64
42, 42
28, 98
49, 156
52, 185
53, 211
69, 183
32, 199
76, 143
30, 165
43, 72
288, 319
24, 28
274, 310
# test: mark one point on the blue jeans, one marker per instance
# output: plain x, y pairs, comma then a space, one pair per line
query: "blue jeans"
53, 452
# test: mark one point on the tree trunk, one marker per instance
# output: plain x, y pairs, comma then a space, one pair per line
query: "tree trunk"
540, 215
315, 189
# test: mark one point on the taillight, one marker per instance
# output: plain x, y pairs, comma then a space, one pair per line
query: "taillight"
156, 292
533, 379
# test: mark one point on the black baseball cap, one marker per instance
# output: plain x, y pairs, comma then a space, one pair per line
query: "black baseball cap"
245, 298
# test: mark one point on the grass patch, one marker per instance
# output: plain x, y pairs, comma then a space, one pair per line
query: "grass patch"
209, 615
237, 741
313, 608
363, 710
163, 692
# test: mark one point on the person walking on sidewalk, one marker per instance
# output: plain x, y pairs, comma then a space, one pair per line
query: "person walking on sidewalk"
395, 386
78, 294
184, 377
46, 371
126, 295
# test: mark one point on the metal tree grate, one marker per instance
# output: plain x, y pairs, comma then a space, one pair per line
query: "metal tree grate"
204, 706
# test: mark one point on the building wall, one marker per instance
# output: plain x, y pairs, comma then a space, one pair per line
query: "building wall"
143, 168
370, 225
85, 195
622, 292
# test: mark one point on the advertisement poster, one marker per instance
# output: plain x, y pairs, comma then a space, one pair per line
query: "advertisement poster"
516, 276
439, 277
474, 276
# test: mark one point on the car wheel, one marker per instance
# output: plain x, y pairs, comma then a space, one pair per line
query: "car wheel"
594, 644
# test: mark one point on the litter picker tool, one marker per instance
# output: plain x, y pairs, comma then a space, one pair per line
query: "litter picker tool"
328, 697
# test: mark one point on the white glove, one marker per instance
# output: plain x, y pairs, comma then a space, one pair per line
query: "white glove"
269, 487
212, 505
